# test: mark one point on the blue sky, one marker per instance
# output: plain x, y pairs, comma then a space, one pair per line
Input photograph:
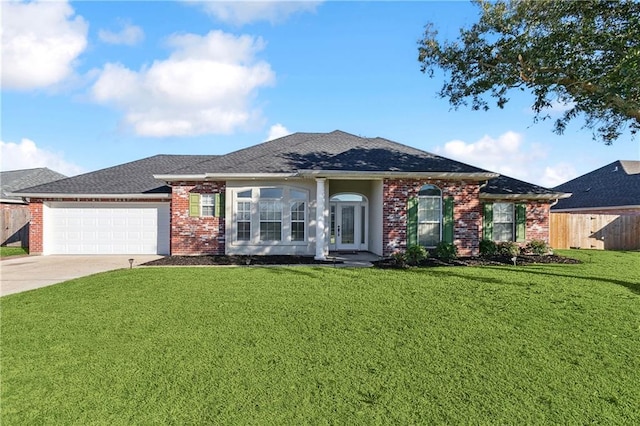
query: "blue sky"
88, 85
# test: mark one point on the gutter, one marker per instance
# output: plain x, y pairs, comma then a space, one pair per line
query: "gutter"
377, 175
223, 176
99, 196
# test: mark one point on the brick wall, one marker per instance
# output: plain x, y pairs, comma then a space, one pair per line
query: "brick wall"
537, 221
466, 212
36, 235
195, 235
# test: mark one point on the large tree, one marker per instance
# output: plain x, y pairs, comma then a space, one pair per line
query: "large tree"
583, 54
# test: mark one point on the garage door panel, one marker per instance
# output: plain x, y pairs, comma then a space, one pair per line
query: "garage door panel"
71, 228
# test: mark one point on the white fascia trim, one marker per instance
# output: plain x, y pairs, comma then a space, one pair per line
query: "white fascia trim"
587, 209
556, 196
105, 196
223, 176
377, 175
11, 201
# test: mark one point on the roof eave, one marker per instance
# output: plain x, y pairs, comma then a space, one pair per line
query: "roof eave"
11, 201
88, 196
476, 176
552, 196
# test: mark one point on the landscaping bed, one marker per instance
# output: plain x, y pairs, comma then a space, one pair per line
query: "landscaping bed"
237, 260
392, 263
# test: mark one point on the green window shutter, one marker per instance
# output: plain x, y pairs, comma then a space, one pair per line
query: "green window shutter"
487, 221
521, 222
447, 219
219, 207
194, 205
412, 222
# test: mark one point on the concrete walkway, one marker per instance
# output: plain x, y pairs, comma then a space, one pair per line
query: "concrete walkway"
360, 259
24, 273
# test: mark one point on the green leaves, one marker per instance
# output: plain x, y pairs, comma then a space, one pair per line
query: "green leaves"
584, 55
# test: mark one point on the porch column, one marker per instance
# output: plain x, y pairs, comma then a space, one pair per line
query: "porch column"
320, 231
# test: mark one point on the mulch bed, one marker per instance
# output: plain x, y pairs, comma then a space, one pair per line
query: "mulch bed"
237, 260
387, 263
390, 263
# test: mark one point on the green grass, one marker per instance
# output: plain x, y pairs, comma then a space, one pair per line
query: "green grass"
543, 344
12, 251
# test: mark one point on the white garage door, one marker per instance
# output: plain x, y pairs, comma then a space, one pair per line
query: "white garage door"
106, 228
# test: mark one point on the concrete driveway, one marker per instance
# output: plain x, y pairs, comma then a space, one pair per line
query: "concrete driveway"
26, 273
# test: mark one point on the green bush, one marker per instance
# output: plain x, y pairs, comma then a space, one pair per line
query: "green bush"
488, 248
399, 259
508, 248
446, 251
415, 255
538, 247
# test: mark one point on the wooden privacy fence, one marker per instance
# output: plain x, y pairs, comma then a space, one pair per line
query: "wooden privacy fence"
15, 227
595, 231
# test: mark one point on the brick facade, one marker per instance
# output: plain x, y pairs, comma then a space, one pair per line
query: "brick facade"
195, 235
467, 215
537, 221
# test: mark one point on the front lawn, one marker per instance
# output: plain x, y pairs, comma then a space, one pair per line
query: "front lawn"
12, 251
542, 344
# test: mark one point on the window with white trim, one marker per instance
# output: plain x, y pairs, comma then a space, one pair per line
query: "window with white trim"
503, 222
429, 215
277, 214
207, 205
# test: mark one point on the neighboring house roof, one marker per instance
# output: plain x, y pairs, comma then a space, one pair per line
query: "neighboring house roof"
300, 154
126, 179
14, 180
612, 186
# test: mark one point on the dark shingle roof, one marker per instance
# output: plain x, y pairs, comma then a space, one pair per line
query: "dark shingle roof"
616, 184
329, 151
13, 180
505, 185
130, 178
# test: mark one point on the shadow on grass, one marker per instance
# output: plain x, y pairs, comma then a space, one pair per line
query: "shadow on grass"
634, 287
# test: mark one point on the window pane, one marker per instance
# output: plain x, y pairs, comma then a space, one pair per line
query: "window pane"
428, 234
296, 194
245, 194
430, 191
207, 210
503, 213
297, 231
503, 231
270, 231
270, 192
348, 197
244, 231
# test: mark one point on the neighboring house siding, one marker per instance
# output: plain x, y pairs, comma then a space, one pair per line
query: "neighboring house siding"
466, 212
195, 235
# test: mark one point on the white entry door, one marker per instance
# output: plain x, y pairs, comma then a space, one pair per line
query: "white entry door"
348, 226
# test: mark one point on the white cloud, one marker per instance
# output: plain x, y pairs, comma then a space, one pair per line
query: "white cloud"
557, 174
511, 156
245, 12
129, 35
205, 86
26, 155
41, 42
277, 131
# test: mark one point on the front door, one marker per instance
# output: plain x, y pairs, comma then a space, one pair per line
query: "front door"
348, 226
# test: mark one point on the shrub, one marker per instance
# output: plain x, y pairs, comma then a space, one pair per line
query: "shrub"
538, 247
508, 248
488, 248
446, 251
399, 259
415, 255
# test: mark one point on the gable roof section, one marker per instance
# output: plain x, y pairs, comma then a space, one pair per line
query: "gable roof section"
128, 179
13, 180
505, 187
311, 153
614, 185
